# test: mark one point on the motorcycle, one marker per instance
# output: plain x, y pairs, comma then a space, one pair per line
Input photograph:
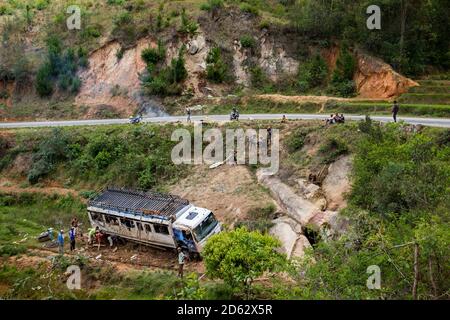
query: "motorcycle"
234, 115
135, 120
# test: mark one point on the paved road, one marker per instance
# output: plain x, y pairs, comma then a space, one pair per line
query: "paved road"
433, 122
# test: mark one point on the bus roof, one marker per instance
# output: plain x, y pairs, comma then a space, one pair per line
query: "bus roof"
139, 202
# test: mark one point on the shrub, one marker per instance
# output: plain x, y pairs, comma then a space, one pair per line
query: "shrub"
41, 4
61, 67
312, 73
296, 140
216, 69
342, 79
91, 31
9, 250
187, 26
258, 78
247, 41
165, 81
44, 85
154, 56
332, 149
248, 8
259, 219
49, 152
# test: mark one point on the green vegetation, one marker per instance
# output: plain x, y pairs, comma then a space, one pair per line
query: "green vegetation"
161, 80
342, 83
259, 219
216, 69
61, 67
312, 73
134, 156
399, 202
247, 41
422, 42
24, 216
187, 26
248, 8
240, 256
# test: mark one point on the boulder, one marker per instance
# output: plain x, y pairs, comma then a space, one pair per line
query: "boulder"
298, 208
288, 231
376, 79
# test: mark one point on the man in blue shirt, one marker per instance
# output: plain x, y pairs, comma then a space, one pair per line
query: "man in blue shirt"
61, 242
72, 238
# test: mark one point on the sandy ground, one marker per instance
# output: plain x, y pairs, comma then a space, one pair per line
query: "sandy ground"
230, 191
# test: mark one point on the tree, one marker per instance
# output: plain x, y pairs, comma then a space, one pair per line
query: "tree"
240, 256
216, 69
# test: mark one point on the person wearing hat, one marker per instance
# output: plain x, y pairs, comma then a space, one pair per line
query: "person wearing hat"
61, 242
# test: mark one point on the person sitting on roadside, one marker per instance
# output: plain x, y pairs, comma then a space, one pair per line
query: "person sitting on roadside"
331, 119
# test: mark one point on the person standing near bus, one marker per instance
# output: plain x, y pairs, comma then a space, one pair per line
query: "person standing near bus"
61, 242
72, 238
181, 258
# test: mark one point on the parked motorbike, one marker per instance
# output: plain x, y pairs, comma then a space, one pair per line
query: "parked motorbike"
135, 120
234, 115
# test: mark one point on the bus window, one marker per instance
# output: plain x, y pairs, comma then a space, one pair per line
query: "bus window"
96, 216
148, 228
160, 228
127, 223
111, 220
139, 225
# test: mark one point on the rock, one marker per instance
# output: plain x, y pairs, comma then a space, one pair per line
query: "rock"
336, 184
376, 79
274, 59
288, 232
308, 190
193, 47
298, 208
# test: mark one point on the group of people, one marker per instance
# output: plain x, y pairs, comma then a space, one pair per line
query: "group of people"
73, 232
95, 236
336, 118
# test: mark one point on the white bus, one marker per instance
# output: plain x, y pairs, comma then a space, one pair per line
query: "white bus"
152, 218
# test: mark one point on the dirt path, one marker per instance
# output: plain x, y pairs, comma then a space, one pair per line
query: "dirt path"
128, 258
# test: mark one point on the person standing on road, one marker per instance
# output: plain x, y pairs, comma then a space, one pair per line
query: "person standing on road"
61, 242
181, 257
395, 109
72, 238
188, 111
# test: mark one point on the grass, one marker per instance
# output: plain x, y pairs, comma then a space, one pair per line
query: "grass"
421, 98
430, 89
26, 215
254, 105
